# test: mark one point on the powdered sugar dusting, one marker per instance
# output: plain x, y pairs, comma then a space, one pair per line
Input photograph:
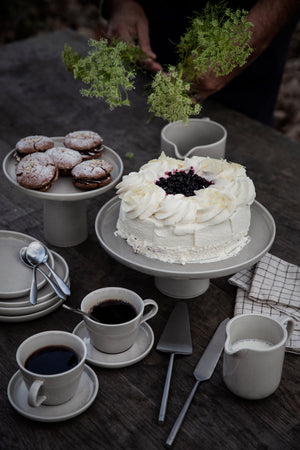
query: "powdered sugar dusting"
31, 144
94, 168
82, 140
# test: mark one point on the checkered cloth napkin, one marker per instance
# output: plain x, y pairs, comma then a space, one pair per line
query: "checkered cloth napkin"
271, 287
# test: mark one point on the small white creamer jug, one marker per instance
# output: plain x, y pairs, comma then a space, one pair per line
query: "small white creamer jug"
197, 137
254, 354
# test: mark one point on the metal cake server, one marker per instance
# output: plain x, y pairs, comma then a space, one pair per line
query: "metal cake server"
175, 339
202, 372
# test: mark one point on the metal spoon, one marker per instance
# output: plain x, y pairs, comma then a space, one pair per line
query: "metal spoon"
36, 267
79, 311
33, 288
37, 253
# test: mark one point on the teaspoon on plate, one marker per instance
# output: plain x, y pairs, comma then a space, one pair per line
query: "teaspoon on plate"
36, 267
37, 253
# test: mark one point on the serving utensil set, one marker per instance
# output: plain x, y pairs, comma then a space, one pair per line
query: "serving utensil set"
176, 339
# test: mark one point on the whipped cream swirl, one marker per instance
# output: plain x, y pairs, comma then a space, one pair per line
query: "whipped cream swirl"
143, 199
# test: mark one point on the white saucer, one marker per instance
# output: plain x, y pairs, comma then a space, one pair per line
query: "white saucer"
138, 351
84, 397
15, 277
21, 305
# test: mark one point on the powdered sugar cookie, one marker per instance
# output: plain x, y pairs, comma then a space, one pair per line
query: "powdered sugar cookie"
92, 174
32, 144
37, 171
88, 143
65, 159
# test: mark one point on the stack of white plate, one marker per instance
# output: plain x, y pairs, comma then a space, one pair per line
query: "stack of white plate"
15, 281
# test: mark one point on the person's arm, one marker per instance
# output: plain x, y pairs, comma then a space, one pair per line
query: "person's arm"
128, 21
268, 18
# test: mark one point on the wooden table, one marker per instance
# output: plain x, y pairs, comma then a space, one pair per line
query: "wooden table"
38, 96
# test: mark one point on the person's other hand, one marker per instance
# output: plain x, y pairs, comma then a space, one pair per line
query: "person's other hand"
128, 22
209, 84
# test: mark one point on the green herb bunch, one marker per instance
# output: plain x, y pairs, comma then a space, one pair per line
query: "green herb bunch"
217, 41
109, 69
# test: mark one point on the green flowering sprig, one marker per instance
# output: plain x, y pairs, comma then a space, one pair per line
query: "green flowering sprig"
217, 41
108, 69
170, 97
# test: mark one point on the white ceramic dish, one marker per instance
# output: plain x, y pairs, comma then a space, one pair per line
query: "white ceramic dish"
192, 279
262, 233
86, 394
63, 189
44, 294
31, 309
15, 277
136, 353
33, 315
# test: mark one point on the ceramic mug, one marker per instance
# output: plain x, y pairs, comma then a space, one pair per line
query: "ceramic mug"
55, 388
197, 137
254, 354
119, 337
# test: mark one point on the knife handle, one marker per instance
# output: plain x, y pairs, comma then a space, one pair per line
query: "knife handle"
164, 401
181, 416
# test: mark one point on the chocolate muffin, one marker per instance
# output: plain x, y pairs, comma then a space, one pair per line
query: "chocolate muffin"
65, 159
37, 171
32, 144
92, 174
88, 143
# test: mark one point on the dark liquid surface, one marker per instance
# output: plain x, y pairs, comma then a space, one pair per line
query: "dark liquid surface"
113, 312
51, 360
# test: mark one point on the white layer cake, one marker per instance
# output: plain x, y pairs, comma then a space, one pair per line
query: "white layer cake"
182, 211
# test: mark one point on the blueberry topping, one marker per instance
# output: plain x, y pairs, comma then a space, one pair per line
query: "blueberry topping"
181, 182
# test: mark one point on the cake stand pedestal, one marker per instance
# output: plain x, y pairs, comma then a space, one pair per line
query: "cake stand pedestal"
183, 281
65, 223
65, 206
181, 288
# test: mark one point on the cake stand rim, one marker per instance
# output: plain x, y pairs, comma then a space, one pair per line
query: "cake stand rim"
171, 269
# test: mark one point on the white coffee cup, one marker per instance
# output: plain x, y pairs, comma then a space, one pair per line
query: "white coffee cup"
116, 338
56, 388
254, 354
197, 137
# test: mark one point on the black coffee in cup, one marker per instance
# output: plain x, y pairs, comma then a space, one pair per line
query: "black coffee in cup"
51, 360
113, 311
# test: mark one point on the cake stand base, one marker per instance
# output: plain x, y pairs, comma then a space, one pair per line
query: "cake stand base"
65, 223
181, 288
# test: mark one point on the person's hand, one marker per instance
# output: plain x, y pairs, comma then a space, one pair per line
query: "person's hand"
209, 84
128, 22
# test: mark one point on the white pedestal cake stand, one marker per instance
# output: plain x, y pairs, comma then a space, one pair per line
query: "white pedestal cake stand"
65, 206
188, 280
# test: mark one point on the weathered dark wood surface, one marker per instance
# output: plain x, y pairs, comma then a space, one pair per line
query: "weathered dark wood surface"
38, 96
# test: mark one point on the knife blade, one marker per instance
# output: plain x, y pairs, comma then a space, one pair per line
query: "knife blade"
175, 339
202, 372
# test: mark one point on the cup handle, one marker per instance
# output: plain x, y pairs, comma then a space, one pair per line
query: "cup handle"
152, 311
33, 395
289, 324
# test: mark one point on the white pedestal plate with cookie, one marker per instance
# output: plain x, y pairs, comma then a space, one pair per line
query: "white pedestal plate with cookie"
65, 206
